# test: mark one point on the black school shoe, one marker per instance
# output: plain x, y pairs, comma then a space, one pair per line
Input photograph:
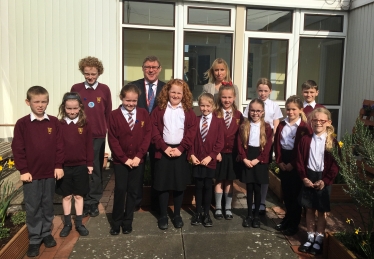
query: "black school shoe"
304, 248
256, 222
126, 229
314, 250
86, 210
228, 216
218, 214
281, 226
207, 222
178, 222
49, 241
65, 231
196, 219
94, 210
33, 250
247, 222
163, 223
82, 230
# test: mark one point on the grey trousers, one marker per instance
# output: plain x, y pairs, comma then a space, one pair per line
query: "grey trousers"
38, 198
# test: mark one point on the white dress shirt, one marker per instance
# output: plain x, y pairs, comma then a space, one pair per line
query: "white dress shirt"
33, 117
126, 114
313, 104
272, 112
254, 134
288, 134
68, 120
208, 120
154, 88
224, 114
94, 86
317, 152
173, 124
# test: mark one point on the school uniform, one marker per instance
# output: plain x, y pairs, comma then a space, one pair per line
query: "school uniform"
316, 163
272, 112
211, 88
228, 168
309, 107
286, 140
127, 138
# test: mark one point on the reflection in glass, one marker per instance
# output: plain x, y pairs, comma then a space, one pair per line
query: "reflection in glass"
138, 44
150, 13
316, 22
207, 16
269, 20
200, 50
267, 58
322, 60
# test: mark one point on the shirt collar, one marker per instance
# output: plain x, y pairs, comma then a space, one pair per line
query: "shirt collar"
68, 120
224, 111
154, 83
208, 117
178, 106
94, 86
257, 124
322, 137
287, 120
33, 117
266, 101
313, 104
125, 112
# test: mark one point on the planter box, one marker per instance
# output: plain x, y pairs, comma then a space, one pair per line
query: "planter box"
334, 249
338, 194
16, 248
275, 185
188, 198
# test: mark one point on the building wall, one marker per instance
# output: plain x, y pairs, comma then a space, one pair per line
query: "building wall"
41, 43
359, 69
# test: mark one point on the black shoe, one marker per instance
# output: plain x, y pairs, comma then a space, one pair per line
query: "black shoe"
218, 214
33, 250
49, 241
316, 251
262, 212
281, 226
228, 216
207, 222
291, 231
114, 232
196, 219
305, 249
178, 222
94, 210
82, 230
247, 222
162, 223
126, 229
86, 210
256, 223
65, 231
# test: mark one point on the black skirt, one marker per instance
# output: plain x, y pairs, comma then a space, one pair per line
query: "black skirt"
228, 168
200, 171
75, 181
172, 173
313, 198
258, 174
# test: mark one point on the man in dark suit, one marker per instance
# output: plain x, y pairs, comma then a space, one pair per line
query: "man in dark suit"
150, 88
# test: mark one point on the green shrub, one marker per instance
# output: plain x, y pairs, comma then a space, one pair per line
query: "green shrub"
4, 232
18, 217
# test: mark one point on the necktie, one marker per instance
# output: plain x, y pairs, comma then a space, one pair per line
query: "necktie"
204, 128
131, 121
227, 119
151, 100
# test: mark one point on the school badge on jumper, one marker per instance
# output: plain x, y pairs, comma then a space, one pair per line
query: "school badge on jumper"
80, 130
91, 104
98, 99
142, 124
49, 130
237, 121
302, 133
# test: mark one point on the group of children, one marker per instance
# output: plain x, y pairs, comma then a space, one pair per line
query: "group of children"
220, 144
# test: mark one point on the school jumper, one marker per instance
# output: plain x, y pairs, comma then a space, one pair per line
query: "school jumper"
308, 108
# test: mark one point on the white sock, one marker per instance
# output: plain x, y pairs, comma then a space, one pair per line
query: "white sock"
310, 239
319, 239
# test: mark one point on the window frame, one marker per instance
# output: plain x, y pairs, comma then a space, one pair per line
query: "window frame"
323, 33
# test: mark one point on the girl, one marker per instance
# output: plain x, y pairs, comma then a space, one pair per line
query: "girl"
218, 74
286, 140
317, 169
129, 137
272, 115
254, 145
225, 172
203, 153
173, 133
78, 163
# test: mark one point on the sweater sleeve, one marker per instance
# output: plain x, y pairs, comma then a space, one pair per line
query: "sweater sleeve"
157, 138
60, 152
18, 148
89, 146
113, 140
264, 155
190, 131
108, 108
147, 137
220, 142
300, 158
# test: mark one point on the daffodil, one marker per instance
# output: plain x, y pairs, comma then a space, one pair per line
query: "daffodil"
1, 168
341, 144
357, 231
10, 163
277, 170
1, 158
348, 221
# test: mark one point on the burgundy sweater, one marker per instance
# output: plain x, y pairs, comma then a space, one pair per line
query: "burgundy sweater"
231, 133
126, 143
308, 109
213, 143
78, 144
97, 106
38, 147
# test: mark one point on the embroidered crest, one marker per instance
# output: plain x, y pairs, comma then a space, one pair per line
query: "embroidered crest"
142, 124
237, 121
49, 130
98, 99
91, 104
302, 133
80, 130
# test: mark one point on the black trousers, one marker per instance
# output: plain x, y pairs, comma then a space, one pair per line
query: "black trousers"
126, 187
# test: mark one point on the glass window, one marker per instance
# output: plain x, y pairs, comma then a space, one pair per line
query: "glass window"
200, 50
149, 13
317, 22
269, 20
322, 60
205, 16
138, 44
267, 58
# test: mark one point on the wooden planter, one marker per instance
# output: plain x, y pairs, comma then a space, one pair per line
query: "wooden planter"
275, 185
338, 194
16, 248
334, 249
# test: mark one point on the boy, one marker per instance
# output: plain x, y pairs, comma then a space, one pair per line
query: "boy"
38, 154
97, 103
310, 91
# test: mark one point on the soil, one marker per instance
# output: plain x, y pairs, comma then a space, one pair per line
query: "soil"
13, 230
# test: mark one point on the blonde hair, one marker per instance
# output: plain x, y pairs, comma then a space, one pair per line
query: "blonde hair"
299, 103
209, 74
219, 105
163, 97
329, 129
207, 96
245, 127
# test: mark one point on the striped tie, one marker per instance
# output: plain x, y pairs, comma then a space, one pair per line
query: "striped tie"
204, 128
131, 121
227, 119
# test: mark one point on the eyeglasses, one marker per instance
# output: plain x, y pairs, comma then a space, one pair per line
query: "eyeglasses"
255, 111
88, 74
149, 68
319, 121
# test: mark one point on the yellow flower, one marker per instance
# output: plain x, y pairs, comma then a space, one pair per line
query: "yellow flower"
1, 168
10, 163
277, 170
348, 221
1, 158
357, 231
334, 135
364, 243
341, 144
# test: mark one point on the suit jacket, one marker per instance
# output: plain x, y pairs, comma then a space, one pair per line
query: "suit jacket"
330, 170
210, 88
302, 129
157, 120
142, 100
231, 133
213, 143
126, 143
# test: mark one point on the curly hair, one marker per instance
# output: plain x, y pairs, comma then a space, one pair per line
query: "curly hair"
82, 119
91, 62
163, 98
299, 103
329, 128
219, 105
209, 74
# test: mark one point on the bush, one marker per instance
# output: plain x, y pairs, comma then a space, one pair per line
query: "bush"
18, 217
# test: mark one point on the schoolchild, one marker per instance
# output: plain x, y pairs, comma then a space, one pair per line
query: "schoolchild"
254, 144
78, 162
97, 101
38, 150
173, 132
310, 92
317, 169
129, 137
203, 155
286, 139
273, 114
227, 168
